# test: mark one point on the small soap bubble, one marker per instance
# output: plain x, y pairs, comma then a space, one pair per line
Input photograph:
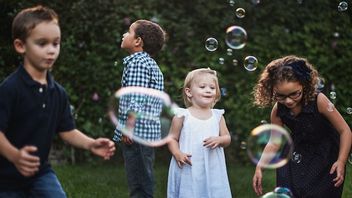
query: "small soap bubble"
240, 13
211, 44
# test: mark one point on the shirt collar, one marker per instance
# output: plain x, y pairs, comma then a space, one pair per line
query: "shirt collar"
132, 56
29, 80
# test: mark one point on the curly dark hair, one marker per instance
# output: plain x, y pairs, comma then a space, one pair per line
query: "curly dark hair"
291, 69
152, 35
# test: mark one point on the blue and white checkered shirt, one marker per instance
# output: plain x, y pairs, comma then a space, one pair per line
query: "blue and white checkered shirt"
140, 70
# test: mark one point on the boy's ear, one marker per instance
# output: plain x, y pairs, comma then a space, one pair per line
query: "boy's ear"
139, 42
19, 46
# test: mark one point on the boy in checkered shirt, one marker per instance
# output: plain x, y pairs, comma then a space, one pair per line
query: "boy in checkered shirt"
143, 40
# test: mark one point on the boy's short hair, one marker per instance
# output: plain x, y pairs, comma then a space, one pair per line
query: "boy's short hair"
152, 34
26, 20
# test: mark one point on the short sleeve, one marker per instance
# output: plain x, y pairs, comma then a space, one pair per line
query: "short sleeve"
180, 112
7, 98
218, 113
66, 122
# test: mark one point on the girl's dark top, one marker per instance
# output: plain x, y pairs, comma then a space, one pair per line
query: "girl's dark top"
316, 148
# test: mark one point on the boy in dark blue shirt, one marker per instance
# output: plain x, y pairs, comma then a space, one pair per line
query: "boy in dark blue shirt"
34, 108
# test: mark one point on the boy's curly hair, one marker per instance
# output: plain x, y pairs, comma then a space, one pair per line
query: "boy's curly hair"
152, 35
291, 69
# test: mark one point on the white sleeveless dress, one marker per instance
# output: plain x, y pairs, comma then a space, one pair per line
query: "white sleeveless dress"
207, 177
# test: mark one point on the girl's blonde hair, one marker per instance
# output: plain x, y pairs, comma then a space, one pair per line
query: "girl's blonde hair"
291, 69
191, 76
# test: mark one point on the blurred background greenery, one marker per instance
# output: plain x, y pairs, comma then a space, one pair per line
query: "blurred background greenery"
90, 63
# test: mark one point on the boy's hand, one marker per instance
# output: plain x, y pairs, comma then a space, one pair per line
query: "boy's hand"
182, 159
212, 142
339, 168
103, 147
126, 140
26, 163
257, 181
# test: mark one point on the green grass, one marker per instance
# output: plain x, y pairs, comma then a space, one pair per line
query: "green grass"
107, 179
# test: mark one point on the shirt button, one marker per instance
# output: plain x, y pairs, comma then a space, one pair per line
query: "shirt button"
41, 90
44, 105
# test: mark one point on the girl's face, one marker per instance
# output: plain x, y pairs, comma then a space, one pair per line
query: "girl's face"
288, 93
202, 92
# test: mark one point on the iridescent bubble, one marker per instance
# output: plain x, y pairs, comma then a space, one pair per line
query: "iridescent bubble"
274, 195
263, 122
275, 140
299, 1
236, 37
131, 108
240, 13
221, 61
332, 95
235, 62
211, 44
296, 157
231, 3
336, 34
243, 145
349, 110
343, 6
255, 2
284, 191
223, 91
116, 64
320, 84
250, 63
229, 52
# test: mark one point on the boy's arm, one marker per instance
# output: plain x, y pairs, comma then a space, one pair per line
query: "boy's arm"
25, 163
102, 147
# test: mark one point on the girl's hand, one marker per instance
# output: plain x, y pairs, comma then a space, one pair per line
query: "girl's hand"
26, 163
212, 142
103, 147
182, 159
339, 167
257, 181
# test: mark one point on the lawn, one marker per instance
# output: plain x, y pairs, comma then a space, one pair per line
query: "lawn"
107, 179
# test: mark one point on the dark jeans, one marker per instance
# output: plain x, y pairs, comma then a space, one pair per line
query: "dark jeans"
139, 161
45, 186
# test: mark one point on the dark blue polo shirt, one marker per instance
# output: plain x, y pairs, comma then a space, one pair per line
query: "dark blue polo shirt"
31, 114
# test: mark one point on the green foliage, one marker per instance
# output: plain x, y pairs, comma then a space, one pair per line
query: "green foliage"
92, 32
109, 180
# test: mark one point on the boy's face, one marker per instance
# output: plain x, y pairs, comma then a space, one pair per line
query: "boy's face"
42, 46
129, 40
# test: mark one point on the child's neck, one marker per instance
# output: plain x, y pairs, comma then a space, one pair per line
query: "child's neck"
37, 75
296, 110
200, 113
